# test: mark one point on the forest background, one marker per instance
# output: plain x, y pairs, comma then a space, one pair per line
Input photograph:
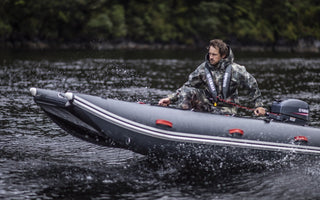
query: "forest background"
292, 25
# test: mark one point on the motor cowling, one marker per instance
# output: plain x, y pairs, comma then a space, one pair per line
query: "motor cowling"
292, 111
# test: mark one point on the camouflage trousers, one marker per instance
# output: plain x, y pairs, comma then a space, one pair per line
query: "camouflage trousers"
190, 98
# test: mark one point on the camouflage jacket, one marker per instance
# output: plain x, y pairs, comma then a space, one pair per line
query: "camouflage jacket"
240, 79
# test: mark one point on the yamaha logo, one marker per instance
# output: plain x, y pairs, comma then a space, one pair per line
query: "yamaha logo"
303, 110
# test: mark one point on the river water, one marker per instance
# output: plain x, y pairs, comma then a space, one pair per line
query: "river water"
38, 160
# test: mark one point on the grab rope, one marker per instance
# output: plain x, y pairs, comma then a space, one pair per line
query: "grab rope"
234, 104
243, 107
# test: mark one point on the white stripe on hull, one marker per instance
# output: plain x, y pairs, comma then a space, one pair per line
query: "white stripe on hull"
188, 137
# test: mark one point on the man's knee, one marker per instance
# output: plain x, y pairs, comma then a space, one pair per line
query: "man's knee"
191, 98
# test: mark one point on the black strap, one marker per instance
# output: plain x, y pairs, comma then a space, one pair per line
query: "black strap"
211, 85
225, 84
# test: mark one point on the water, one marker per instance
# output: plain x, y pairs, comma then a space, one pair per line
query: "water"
40, 161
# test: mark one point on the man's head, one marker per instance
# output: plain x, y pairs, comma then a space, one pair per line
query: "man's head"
217, 51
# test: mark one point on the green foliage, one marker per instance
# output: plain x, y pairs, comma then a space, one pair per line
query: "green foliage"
172, 21
5, 29
117, 16
210, 21
100, 26
108, 24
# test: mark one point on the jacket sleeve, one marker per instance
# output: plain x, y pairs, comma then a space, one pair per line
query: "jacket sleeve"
196, 79
248, 82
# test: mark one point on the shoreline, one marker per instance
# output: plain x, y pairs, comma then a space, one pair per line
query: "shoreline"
302, 46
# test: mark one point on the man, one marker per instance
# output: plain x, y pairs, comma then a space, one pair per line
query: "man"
213, 86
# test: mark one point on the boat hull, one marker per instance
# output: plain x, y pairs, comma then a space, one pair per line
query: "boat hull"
161, 131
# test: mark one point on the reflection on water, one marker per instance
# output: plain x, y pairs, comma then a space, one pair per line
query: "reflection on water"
39, 160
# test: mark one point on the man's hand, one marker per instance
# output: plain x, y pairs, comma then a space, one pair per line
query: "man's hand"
260, 111
164, 102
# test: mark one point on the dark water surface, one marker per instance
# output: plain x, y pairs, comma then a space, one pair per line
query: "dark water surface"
40, 161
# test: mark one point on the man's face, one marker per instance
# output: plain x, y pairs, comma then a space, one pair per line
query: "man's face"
214, 55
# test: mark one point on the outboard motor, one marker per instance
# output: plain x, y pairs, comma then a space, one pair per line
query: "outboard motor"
290, 111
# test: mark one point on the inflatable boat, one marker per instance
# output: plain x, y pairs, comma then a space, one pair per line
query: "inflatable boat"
148, 129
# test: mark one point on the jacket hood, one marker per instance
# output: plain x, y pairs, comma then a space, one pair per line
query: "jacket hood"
223, 63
